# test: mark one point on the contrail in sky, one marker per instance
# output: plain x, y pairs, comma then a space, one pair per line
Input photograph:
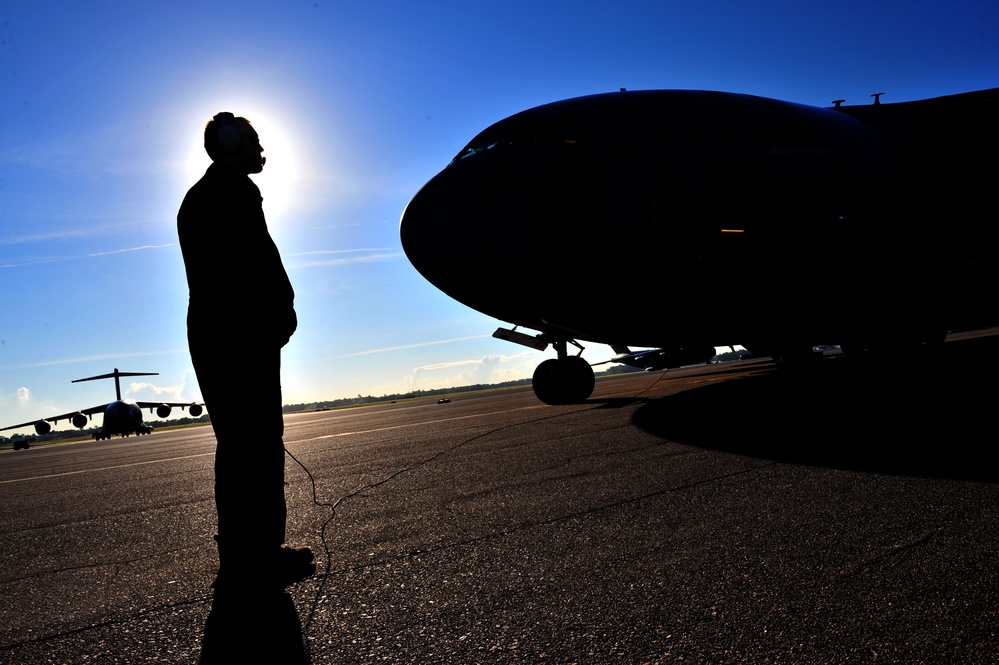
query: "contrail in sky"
414, 346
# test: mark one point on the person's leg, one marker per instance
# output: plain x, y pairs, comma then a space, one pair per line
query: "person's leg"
243, 397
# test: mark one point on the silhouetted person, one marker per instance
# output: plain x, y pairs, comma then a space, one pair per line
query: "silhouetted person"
241, 313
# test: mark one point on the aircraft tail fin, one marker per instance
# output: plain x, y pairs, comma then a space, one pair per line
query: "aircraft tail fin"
114, 375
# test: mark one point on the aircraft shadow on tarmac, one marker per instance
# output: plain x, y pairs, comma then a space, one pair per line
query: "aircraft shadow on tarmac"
919, 416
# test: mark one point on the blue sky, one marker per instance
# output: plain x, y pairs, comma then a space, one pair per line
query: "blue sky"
357, 105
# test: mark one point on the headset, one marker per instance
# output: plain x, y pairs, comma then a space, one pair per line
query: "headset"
228, 136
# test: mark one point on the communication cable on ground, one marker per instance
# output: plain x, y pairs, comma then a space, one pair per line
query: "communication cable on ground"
332, 506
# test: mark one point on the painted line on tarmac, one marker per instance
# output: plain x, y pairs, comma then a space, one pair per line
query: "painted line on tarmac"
414, 424
104, 468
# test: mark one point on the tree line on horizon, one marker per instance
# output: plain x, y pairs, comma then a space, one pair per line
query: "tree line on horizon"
323, 404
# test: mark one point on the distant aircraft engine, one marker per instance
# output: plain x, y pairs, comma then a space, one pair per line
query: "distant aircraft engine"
79, 420
196, 410
42, 427
163, 411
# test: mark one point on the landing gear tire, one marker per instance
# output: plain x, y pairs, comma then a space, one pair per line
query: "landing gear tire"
566, 381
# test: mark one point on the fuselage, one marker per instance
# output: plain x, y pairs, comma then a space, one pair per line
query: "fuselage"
123, 418
679, 218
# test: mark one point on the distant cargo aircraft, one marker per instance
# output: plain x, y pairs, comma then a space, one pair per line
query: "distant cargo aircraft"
120, 417
686, 220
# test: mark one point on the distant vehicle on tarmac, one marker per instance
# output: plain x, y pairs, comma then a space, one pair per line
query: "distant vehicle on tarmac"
23, 444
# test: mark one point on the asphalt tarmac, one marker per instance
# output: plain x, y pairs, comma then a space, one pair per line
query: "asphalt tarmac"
722, 514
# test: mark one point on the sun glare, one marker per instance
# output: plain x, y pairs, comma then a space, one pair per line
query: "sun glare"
279, 180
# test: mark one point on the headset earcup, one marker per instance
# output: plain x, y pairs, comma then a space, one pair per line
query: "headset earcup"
229, 138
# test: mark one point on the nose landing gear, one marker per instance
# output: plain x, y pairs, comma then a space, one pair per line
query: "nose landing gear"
566, 380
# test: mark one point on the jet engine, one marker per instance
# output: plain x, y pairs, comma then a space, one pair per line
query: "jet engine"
196, 410
79, 420
163, 410
42, 427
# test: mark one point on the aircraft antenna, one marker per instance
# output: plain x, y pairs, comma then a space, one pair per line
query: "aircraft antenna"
877, 98
837, 102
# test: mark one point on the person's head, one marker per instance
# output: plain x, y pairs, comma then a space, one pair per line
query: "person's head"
232, 140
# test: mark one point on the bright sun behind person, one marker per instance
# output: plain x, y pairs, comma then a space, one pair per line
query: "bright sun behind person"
279, 179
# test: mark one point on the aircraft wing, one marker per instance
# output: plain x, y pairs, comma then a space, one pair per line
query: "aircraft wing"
65, 416
163, 409
657, 359
153, 405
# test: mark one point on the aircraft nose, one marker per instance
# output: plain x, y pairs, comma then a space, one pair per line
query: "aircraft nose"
458, 239
433, 227
412, 225
414, 229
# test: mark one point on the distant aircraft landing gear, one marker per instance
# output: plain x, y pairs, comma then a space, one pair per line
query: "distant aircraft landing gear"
567, 380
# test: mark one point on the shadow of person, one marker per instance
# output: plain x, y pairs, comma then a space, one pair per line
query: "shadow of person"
247, 627
913, 416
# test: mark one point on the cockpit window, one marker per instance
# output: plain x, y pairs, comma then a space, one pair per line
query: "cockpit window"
474, 150
534, 134
519, 139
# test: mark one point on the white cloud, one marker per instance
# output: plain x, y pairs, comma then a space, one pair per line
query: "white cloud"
488, 369
186, 391
150, 392
23, 396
